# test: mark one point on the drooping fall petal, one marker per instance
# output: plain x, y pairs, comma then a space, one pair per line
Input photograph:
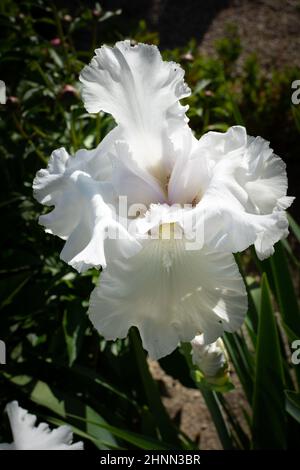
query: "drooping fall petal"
169, 294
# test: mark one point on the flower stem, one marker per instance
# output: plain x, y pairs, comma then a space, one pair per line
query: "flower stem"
211, 400
213, 405
166, 428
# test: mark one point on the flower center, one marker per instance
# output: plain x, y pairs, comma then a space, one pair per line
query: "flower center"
189, 200
167, 231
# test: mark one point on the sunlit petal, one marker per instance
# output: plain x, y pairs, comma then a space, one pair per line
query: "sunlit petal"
81, 215
211, 359
28, 436
142, 93
245, 199
170, 294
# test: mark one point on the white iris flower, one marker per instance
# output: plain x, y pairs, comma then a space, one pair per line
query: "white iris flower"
203, 199
28, 436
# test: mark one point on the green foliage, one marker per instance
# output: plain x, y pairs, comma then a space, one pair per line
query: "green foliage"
268, 396
229, 48
293, 404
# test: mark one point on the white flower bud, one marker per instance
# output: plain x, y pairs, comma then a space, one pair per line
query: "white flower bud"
211, 359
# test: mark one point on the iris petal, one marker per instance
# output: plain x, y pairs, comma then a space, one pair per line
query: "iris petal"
28, 436
141, 91
170, 294
82, 215
245, 199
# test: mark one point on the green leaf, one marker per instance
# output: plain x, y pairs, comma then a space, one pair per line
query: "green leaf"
11, 287
294, 227
56, 58
43, 395
242, 361
98, 443
138, 440
213, 404
292, 404
97, 431
242, 437
284, 290
168, 432
74, 325
253, 293
269, 418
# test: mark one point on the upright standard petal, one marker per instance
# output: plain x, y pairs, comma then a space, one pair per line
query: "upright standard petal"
82, 215
190, 173
128, 179
170, 294
28, 436
142, 93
